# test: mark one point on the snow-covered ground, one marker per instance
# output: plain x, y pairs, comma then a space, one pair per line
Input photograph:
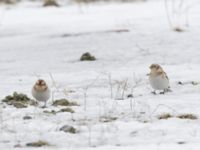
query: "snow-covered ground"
38, 42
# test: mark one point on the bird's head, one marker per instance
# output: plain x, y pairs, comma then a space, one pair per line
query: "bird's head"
155, 67
40, 85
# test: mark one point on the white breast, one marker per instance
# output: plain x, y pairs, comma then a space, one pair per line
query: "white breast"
41, 96
159, 82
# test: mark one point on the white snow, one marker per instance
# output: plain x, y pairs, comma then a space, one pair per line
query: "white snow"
32, 45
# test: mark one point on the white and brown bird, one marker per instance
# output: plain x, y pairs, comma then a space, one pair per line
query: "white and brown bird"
41, 91
158, 79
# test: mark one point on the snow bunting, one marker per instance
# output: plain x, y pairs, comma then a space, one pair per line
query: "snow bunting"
158, 79
41, 91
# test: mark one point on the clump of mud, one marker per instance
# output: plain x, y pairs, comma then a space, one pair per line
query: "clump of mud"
37, 144
50, 3
87, 57
187, 116
64, 102
165, 116
19, 100
70, 110
53, 112
68, 129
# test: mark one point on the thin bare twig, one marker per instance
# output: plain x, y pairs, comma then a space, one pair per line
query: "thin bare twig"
168, 15
86, 89
124, 88
111, 88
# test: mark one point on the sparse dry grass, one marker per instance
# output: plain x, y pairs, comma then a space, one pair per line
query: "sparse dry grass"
93, 1
27, 117
53, 112
181, 142
70, 110
165, 116
194, 83
178, 29
187, 116
68, 129
181, 116
64, 102
107, 119
50, 3
8, 1
39, 143
19, 100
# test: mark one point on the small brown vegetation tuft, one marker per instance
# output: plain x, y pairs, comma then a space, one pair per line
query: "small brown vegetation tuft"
19, 100
178, 29
87, 57
187, 116
164, 116
50, 3
37, 144
64, 102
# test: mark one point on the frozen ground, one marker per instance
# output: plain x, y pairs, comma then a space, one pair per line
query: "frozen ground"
36, 42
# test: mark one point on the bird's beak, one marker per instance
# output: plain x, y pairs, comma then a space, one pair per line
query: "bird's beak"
148, 74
